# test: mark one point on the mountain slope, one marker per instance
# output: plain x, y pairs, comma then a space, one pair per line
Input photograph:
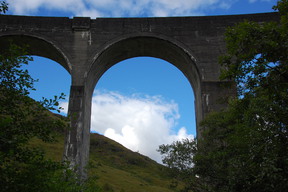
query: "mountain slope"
116, 168
124, 170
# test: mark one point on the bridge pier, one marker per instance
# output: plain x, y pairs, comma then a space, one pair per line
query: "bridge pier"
76, 150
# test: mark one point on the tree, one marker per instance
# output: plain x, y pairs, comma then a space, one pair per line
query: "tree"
245, 147
23, 167
178, 154
3, 7
178, 157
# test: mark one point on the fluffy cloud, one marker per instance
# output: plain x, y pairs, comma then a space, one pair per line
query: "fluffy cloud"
140, 123
116, 8
34, 6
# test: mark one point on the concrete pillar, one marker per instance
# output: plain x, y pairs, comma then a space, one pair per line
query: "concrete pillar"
214, 97
76, 150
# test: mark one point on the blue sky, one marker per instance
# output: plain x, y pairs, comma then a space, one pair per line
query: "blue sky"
150, 99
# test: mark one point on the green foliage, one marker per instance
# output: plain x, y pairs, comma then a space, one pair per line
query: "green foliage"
24, 167
3, 7
257, 53
178, 155
22, 119
245, 147
107, 187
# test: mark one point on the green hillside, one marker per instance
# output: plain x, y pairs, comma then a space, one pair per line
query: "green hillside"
118, 169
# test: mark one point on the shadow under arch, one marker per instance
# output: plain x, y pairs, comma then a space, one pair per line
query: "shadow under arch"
38, 46
150, 46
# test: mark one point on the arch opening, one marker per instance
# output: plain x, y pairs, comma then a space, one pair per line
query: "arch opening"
147, 46
52, 78
37, 46
144, 102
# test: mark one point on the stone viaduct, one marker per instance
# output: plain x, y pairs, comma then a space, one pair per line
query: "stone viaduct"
87, 48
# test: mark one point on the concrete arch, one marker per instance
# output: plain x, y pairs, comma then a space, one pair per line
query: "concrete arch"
152, 45
39, 46
153, 51
87, 48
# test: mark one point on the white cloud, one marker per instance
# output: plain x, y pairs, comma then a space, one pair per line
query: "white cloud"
116, 8
33, 6
64, 106
139, 123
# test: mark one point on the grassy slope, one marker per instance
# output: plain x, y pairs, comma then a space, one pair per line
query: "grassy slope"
125, 170
117, 168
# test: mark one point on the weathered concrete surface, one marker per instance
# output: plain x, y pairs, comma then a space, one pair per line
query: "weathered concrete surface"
88, 48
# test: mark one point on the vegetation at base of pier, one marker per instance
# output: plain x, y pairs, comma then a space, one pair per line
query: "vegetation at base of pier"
23, 167
113, 167
245, 147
